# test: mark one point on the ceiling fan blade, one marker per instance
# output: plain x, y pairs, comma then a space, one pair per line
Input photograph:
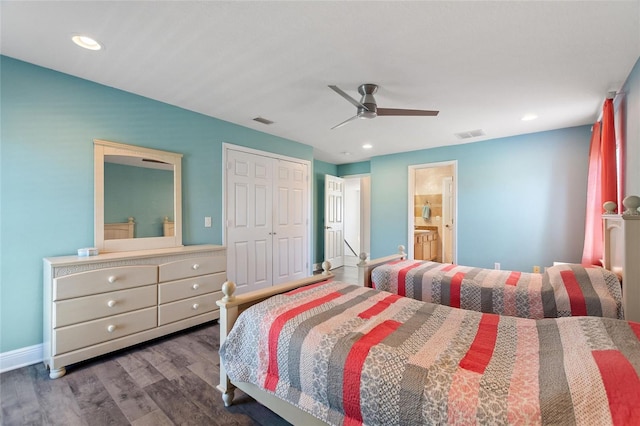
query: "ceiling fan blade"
407, 112
340, 92
344, 122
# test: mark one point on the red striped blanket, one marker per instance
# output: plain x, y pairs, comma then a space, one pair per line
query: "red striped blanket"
353, 355
561, 291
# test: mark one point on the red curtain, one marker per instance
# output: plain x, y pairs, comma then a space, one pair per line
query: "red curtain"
602, 183
609, 163
593, 228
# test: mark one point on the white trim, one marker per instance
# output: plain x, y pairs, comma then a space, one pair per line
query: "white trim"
21, 357
357, 175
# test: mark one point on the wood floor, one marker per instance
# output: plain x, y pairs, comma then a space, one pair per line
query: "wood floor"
168, 381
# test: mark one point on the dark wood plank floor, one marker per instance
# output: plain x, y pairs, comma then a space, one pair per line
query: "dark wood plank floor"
168, 381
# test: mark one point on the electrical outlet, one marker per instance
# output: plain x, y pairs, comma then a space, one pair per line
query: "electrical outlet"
207, 222
496, 266
536, 269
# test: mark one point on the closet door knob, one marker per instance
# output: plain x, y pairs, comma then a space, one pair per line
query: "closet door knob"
195, 266
111, 328
112, 279
195, 306
195, 286
111, 303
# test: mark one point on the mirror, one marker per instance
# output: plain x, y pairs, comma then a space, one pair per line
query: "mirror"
138, 199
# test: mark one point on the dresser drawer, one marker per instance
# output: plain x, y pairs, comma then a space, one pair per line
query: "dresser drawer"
78, 336
186, 308
72, 311
182, 289
103, 280
192, 267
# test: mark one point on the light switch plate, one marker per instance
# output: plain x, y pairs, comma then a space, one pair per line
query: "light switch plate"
207, 222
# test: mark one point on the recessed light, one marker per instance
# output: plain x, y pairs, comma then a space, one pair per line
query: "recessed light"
367, 146
529, 117
345, 153
86, 42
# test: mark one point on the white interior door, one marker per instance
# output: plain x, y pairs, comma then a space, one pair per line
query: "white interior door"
249, 220
290, 221
334, 220
447, 219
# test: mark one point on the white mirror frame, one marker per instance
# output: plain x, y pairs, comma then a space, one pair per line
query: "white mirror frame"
102, 148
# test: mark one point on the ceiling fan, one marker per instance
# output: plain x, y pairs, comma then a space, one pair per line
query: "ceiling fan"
367, 107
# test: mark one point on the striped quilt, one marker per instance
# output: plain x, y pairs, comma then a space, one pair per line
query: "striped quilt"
353, 355
561, 291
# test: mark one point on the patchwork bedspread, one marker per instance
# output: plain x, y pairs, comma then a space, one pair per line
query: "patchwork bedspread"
353, 355
561, 291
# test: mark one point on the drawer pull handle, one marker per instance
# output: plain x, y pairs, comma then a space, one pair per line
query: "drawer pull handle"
112, 279
195, 286
111, 303
195, 266
111, 328
195, 306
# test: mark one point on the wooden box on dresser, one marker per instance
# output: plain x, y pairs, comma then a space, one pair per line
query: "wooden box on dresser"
98, 304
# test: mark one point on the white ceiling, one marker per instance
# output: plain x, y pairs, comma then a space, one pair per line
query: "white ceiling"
482, 64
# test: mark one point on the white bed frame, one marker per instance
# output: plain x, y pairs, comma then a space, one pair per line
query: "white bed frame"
168, 228
621, 255
117, 231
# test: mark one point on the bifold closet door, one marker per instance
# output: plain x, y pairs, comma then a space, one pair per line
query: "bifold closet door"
290, 221
249, 220
267, 220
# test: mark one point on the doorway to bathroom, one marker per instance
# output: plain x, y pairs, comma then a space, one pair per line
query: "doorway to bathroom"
432, 220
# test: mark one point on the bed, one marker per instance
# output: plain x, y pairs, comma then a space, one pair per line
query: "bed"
331, 352
560, 291
347, 354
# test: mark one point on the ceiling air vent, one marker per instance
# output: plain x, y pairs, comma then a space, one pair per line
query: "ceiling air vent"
263, 120
470, 134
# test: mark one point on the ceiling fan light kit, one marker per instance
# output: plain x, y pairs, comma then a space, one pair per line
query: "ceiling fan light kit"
368, 108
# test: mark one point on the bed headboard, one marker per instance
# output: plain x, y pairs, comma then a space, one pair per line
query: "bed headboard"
117, 231
621, 254
366, 267
168, 229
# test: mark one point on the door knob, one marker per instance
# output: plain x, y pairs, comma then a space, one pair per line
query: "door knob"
328, 227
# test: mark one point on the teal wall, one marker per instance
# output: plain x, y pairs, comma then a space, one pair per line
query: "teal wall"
627, 106
49, 121
142, 193
521, 199
361, 168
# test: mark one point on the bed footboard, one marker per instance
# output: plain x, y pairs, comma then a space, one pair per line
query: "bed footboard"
231, 306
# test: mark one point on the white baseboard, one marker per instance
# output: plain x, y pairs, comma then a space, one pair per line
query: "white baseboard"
20, 357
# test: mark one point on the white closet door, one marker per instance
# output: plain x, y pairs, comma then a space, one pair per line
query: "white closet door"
249, 220
290, 221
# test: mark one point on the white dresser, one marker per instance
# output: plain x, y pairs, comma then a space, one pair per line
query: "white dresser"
98, 304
